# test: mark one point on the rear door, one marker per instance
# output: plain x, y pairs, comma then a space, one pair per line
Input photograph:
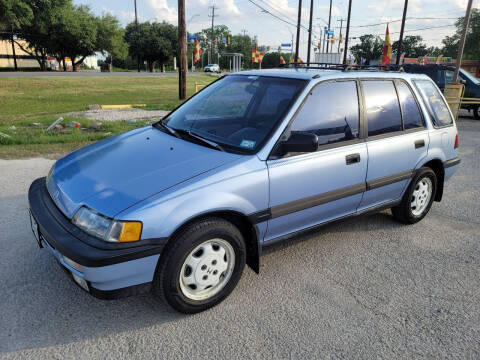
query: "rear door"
311, 188
397, 139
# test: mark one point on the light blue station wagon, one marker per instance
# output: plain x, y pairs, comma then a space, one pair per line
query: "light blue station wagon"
179, 207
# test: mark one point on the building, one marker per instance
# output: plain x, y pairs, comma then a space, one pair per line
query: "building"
24, 60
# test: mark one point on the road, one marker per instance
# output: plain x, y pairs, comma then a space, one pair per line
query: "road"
81, 73
363, 288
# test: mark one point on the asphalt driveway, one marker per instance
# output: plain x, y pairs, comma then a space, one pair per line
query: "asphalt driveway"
363, 288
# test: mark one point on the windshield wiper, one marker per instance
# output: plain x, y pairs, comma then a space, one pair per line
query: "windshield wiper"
169, 129
179, 132
207, 141
194, 135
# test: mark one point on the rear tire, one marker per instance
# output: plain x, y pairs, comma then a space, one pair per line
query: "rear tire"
476, 113
418, 198
200, 266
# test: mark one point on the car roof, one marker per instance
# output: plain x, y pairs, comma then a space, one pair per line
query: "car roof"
308, 74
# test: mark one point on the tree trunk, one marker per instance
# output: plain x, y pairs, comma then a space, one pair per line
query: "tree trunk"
64, 65
73, 63
150, 66
13, 52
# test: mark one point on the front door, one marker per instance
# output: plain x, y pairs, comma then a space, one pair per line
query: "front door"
313, 188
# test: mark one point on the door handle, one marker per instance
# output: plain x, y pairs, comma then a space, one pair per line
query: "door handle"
419, 144
352, 159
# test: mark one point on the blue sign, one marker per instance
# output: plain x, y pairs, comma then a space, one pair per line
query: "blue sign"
330, 32
286, 45
192, 37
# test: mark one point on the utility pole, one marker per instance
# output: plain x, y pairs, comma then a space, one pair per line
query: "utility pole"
182, 51
348, 32
329, 20
298, 29
137, 37
400, 40
461, 47
324, 39
210, 58
310, 33
339, 37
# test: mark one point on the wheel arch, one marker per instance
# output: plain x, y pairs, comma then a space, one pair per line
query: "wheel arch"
248, 230
437, 166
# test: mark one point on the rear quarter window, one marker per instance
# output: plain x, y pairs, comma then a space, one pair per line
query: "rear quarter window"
434, 102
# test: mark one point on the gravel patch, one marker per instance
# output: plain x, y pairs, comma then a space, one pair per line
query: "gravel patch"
120, 114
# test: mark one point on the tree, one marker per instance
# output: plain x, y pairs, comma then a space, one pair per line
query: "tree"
412, 46
370, 48
472, 48
272, 59
80, 34
450, 46
38, 33
434, 51
14, 13
154, 42
110, 37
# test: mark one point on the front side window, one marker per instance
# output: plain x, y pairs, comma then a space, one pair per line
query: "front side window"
411, 113
237, 111
331, 112
383, 110
436, 106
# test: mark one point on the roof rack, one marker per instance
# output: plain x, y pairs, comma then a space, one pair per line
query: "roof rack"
345, 67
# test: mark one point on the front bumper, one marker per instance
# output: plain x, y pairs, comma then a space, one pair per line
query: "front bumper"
109, 270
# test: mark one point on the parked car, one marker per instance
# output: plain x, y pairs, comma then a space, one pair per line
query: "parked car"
443, 74
214, 68
179, 207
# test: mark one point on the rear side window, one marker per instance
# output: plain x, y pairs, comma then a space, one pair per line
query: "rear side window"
331, 112
383, 110
433, 100
411, 114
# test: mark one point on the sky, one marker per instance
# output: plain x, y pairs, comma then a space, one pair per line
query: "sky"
239, 15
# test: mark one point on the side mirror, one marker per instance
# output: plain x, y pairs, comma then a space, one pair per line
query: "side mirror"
299, 141
462, 81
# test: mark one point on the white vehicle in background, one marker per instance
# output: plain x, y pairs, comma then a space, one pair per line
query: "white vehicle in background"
214, 68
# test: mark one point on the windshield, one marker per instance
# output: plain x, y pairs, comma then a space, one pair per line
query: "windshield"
469, 76
237, 111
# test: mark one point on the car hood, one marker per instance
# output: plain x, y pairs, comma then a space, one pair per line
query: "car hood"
115, 173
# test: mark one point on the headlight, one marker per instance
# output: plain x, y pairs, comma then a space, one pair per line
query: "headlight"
105, 228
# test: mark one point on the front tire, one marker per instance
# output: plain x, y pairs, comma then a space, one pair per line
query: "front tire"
418, 198
200, 266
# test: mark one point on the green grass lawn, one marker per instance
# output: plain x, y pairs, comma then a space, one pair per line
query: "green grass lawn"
24, 101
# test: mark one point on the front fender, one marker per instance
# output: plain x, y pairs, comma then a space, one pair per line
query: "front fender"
241, 187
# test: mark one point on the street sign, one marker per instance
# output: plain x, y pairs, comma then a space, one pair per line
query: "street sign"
286, 45
192, 37
330, 32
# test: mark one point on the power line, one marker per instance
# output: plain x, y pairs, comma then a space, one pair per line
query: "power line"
264, 10
398, 20
411, 30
